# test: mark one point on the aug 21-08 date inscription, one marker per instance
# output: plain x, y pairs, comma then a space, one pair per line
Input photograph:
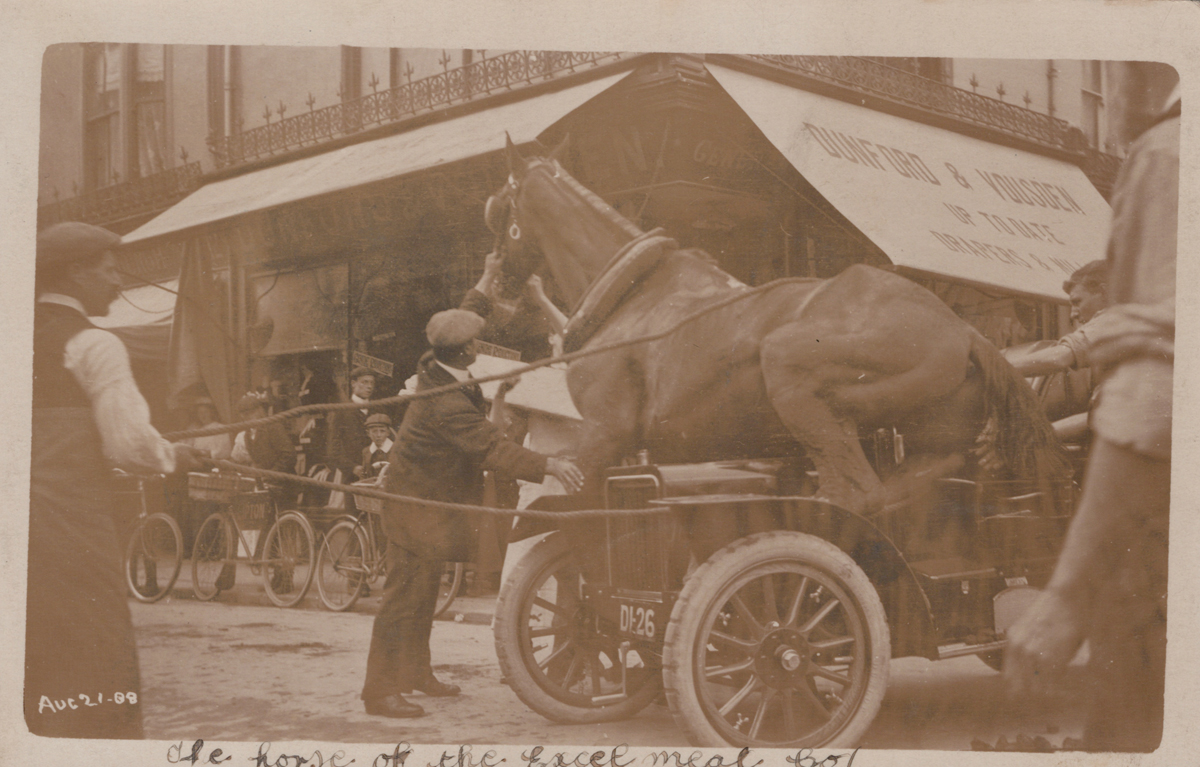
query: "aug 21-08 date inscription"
82, 700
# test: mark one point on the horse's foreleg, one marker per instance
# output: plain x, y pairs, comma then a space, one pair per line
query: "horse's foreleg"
609, 399
796, 371
601, 447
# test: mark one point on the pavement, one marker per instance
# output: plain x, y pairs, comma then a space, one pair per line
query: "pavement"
248, 591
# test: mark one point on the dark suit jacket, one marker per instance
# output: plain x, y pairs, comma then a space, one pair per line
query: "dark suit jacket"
369, 457
444, 445
272, 448
347, 438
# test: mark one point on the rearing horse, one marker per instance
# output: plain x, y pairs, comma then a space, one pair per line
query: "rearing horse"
816, 361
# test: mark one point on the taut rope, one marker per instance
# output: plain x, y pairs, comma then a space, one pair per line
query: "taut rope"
372, 492
405, 397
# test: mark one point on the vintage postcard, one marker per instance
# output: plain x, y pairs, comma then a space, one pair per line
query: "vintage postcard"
470, 385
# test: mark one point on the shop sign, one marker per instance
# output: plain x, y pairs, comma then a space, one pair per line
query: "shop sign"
933, 199
495, 350
382, 367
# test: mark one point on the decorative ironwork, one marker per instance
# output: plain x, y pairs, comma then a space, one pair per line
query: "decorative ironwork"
1101, 169
488, 76
148, 194
900, 87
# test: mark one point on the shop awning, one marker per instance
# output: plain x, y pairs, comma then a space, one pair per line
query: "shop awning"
932, 199
359, 164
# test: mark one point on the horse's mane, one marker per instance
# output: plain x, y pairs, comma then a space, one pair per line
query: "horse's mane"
598, 203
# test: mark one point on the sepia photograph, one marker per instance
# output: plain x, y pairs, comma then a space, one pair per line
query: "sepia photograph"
750, 407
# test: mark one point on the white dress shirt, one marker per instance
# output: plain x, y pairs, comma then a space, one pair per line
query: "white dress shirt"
100, 363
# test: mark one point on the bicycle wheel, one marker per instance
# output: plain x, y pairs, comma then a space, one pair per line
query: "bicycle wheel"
452, 581
342, 566
288, 557
153, 557
213, 556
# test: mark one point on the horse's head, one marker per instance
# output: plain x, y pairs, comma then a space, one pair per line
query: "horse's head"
516, 236
544, 217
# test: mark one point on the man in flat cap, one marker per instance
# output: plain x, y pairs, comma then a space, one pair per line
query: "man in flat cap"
444, 445
265, 447
375, 455
88, 416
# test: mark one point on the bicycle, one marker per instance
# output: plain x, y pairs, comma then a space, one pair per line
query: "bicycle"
284, 558
155, 548
353, 554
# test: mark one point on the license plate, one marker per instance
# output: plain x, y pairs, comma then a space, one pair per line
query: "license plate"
644, 620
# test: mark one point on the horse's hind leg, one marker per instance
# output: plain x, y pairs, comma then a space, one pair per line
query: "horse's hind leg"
796, 371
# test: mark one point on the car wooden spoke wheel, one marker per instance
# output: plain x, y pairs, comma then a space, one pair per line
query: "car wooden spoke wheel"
558, 657
778, 640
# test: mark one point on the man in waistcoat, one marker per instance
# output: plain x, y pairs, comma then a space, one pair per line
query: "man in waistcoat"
88, 415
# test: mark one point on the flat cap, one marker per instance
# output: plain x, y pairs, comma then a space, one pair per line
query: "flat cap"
453, 327
72, 241
249, 402
379, 419
359, 372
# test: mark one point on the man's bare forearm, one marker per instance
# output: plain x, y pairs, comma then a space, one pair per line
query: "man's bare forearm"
1052, 360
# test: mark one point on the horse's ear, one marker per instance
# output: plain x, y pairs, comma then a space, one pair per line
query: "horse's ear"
559, 152
516, 163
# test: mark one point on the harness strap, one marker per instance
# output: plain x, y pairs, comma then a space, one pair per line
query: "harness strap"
632, 262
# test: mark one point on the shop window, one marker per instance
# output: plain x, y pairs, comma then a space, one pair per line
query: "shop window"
150, 109
215, 71
351, 72
1093, 102
125, 113
299, 311
102, 113
1002, 320
395, 69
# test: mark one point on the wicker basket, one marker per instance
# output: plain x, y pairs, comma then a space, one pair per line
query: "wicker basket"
367, 503
219, 488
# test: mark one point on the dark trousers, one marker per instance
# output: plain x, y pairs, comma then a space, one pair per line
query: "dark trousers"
399, 654
81, 667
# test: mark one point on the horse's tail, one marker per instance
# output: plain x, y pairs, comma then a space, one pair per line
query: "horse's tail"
1025, 440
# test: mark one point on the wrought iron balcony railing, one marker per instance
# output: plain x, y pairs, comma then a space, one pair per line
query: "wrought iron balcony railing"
488, 76
901, 87
1101, 168
149, 194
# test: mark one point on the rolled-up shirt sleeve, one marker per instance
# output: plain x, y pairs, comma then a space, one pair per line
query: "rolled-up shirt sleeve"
1077, 341
100, 364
